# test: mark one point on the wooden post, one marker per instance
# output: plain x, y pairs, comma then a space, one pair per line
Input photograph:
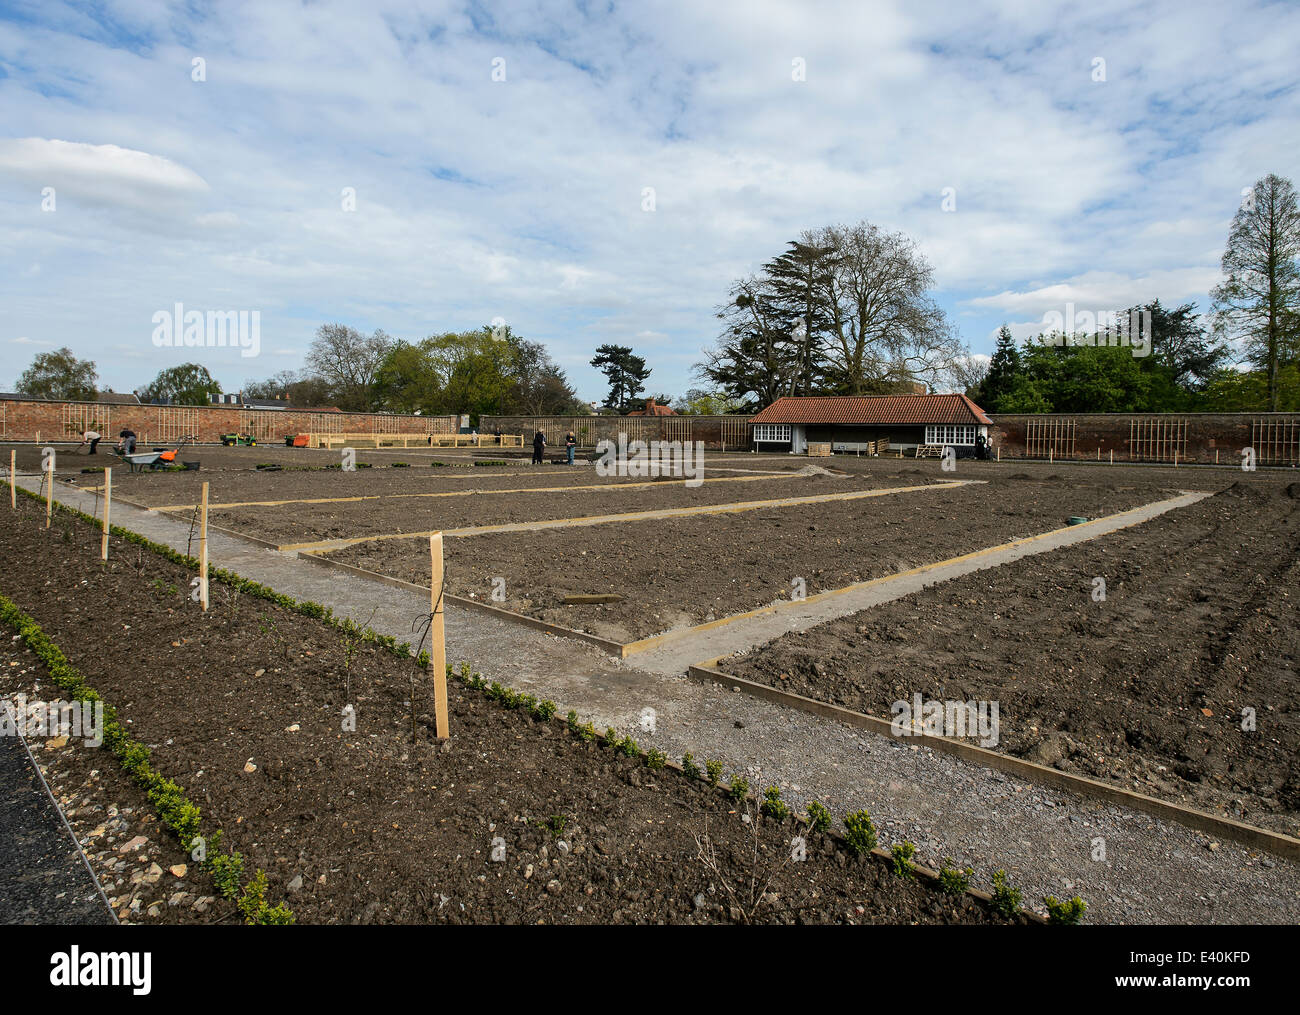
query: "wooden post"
1051, 453
1175, 458
49, 491
1112, 456
108, 504
1216, 456
203, 549
999, 452
13, 490
437, 643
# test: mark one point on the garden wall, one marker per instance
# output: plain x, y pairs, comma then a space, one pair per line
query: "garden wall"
730, 433
1192, 437
63, 421
1204, 437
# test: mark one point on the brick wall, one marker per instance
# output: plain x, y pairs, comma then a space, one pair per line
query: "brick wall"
1197, 436
63, 421
717, 432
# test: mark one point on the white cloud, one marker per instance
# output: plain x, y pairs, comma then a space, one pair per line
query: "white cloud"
522, 199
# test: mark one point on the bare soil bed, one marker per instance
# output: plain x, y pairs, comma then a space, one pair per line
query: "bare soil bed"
1145, 689
479, 505
217, 458
680, 572
374, 826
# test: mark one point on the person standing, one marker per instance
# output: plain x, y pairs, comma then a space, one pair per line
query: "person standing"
539, 445
91, 437
570, 443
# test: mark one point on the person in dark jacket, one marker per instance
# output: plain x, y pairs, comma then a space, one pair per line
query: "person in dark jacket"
127, 444
570, 443
539, 445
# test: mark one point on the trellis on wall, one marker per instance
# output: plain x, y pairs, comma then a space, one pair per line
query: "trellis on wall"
1157, 440
676, 428
78, 417
1276, 441
735, 432
259, 425
176, 422
326, 422
1050, 438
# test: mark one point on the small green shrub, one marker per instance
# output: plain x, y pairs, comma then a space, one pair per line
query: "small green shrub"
611, 737
628, 747
689, 768
545, 709
714, 769
227, 872
253, 905
1065, 913
859, 832
1006, 900
952, 880
773, 806
902, 852
819, 818
739, 788
655, 758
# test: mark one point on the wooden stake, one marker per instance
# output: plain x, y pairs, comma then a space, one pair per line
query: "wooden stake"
13, 490
999, 452
203, 549
1112, 456
108, 504
437, 643
49, 492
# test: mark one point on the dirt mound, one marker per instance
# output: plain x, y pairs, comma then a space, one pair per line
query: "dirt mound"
1254, 494
817, 470
1293, 491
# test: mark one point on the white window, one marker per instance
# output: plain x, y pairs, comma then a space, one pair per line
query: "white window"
777, 433
947, 434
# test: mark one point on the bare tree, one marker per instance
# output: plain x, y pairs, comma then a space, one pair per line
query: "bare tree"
349, 361
884, 328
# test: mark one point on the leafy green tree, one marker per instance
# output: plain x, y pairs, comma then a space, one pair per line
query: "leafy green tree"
794, 284
1004, 370
1247, 391
186, 384
625, 372
697, 402
59, 375
1258, 300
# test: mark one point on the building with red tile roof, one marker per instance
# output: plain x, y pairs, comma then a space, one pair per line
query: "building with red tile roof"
851, 422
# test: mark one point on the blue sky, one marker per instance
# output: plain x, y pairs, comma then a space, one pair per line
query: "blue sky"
522, 198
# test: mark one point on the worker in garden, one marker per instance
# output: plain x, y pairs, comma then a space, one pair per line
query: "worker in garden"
127, 444
570, 443
539, 445
91, 437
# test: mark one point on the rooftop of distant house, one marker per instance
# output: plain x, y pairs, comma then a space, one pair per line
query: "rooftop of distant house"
653, 408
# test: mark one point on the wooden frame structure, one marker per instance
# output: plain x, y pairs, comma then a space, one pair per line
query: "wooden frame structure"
1276, 441
413, 440
1050, 438
1157, 440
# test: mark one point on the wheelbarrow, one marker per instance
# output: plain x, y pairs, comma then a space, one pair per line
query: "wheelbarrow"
152, 460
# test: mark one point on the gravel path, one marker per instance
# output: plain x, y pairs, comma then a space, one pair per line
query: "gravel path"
1153, 871
43, 879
